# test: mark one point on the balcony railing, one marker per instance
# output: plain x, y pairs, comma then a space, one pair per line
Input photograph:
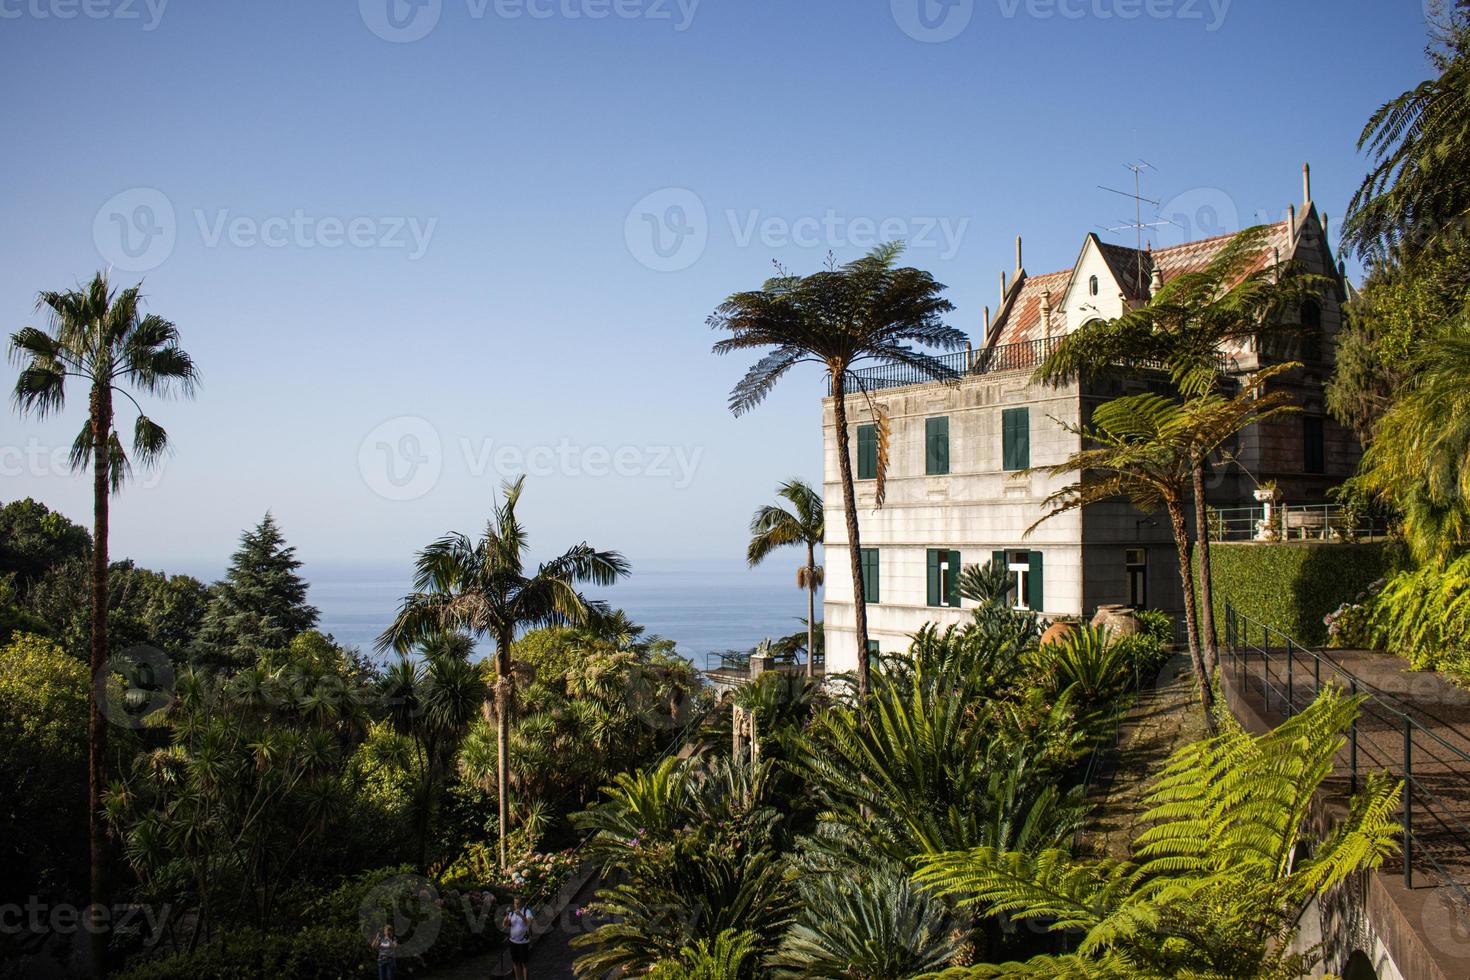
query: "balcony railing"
1293, 522
1025, 356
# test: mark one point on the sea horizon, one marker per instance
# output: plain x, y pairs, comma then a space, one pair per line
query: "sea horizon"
705, 606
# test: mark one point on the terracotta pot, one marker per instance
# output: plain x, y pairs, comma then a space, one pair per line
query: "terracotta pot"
1057, 632
1119, 620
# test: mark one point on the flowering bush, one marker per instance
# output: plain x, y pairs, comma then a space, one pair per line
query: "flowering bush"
1348, 624
536, 877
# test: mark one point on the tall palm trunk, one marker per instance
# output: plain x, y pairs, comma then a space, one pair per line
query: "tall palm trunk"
1206, 586
96, 723
849, 514
502, 739
1185, 549
811, 610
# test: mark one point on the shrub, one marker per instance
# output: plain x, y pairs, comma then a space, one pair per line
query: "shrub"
1424, 615
1291, 586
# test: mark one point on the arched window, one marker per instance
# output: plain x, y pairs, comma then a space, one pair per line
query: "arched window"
1092, 286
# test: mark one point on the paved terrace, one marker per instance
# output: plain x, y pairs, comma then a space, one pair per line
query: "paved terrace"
1416, 725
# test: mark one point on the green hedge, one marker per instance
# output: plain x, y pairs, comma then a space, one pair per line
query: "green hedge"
1290, 586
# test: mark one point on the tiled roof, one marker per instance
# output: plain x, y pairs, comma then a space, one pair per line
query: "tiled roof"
1021, 319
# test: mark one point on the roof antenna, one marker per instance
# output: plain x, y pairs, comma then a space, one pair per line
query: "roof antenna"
1138, 224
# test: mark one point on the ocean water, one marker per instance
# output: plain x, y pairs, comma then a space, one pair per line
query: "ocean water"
704, 606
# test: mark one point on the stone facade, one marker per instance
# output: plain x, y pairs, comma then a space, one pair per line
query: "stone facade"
1107, 553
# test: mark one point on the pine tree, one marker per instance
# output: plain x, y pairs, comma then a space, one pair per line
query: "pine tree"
261, 602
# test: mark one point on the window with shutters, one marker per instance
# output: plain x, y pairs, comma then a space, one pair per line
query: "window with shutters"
1313, 451
1015, 425
867, 452
1027, 591
943, 577
1136, 562
870, 574
936, 446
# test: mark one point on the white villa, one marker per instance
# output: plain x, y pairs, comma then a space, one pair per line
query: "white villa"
955, 495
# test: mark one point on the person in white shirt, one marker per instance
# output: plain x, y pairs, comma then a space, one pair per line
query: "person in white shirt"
518, 924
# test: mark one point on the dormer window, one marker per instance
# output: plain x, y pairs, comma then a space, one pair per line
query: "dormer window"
1092, 286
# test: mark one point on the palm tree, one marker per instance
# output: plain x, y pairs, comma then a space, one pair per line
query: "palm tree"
1146, 448
434, 700
865, 310
101, 338
1416, 193
1218, 882
773, 526
1185, 326
482, 588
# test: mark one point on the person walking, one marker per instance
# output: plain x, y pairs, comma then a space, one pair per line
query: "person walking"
387, 946
518, 924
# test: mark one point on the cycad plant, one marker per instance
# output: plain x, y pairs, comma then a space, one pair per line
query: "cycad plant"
1218, 880
483, 588
729, 956
865, 924
100, 338
867, 310
688, 851
773, 526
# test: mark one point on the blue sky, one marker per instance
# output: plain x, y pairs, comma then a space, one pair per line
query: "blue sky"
412, 253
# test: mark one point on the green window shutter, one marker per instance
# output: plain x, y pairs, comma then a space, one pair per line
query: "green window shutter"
933, 577
1015, 438
867, 461
870, 575
953, 599
998, 559
1035, 592
936, 446
873, 647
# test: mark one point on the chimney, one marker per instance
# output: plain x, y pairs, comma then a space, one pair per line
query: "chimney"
1019, 267
1155, 281
1324, 226
1002, 284
1306, 185
1291, 216
1046, 312
987, 320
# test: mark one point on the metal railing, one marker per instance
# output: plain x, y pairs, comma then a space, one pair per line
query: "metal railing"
1388, 735
1024, 356
1293, 522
